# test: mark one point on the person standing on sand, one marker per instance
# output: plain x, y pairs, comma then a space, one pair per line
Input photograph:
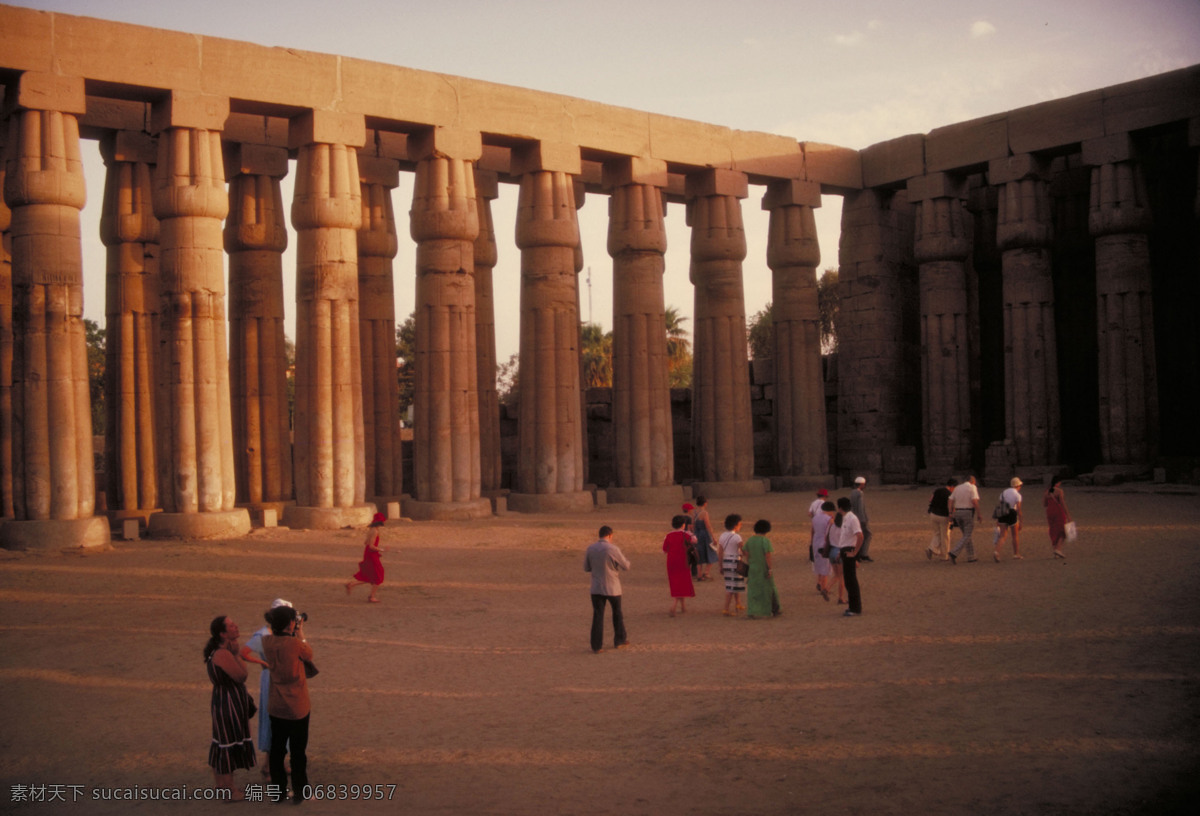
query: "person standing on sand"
820, 540
730, 547
964, 506
252, 652
1057, 515
705, 547
858, 505
604, 560
231, 706
939, 514
762, 598
1010, 501
675, 545
850, 541
370, 569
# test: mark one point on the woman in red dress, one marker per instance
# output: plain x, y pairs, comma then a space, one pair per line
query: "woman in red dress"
679, 574
370, 569
1057, 516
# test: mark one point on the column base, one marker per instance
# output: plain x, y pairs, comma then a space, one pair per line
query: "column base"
662, 494
57, 535
574, 502
117, 518
219, 524
327, 518
447, 511
724, 490
802, 484
1116, 474
258, 517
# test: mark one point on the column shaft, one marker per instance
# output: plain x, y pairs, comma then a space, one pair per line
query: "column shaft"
485, 337
6, 355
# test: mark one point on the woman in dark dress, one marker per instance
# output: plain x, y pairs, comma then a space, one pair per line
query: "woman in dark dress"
232, 745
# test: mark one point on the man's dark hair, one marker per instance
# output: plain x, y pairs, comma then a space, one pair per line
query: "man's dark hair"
605, 531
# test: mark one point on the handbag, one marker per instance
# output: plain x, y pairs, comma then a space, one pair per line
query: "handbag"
742, 568
1071, 532
310, 668
1002, 509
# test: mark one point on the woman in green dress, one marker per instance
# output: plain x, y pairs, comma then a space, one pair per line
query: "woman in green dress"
761, 597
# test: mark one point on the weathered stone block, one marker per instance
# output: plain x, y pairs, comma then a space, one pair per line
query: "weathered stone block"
893, 161
832, 166
1151, 101
1050, 124
327, 127
966, 145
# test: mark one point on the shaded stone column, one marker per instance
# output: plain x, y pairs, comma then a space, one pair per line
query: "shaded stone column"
1119, 219
6, 347
255, 238
130, 231
550, 462
722, 432
53, 482
377, 247
644, 454
1023, 234
195, 434
793, 254
487, 190
445, 225
941, 247
329, 433
878, 352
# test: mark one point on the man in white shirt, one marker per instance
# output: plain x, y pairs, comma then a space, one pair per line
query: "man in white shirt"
850, 541
1009, 519
964, 507
604, 560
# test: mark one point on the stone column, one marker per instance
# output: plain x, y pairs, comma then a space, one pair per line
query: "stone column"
445, 225
722, 431
793, 254
1119, 219
6, 347
550, 463
377, 246
941, 247
1023, 234
195, 434
255, 238
327, 214
130, 231
486, 190
878, 352
644, 454
54, 489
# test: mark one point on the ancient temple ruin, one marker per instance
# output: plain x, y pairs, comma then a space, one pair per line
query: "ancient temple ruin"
1019, 291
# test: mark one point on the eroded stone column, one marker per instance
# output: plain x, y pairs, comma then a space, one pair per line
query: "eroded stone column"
6, 346
550, 464
195, 437
644, 455
487, 190
793, 254
327, 214
722, 432
1023, 234
130, 231
53, 480
878, 359
445, 225
377, 247
941, 247
1119, 219
255, 239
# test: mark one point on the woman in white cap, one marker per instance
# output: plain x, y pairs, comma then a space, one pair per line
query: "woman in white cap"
252, 652
1008, 516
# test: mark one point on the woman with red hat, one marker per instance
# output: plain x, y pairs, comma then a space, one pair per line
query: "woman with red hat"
370, 569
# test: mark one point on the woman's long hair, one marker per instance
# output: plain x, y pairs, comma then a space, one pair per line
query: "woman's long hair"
216, 629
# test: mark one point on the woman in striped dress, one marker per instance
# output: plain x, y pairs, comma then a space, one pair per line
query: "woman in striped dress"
232, 747
730, 547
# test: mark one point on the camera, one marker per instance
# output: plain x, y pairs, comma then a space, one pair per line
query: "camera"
302, 617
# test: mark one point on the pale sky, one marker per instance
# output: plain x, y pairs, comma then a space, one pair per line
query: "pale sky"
850, 72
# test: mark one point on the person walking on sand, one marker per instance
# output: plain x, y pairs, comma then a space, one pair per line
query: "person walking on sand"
1009, 518
939, 514
679, 576
730, 547
858, 505
1057, 515
370, 569
604, 560
964, 506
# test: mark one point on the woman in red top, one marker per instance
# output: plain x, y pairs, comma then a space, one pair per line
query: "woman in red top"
679, 574
370, 569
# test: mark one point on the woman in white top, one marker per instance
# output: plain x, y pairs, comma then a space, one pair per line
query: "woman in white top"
1011, 499
730, 547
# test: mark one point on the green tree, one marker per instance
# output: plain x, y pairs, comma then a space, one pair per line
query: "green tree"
760, 334
596, 350
94, 337
828, 302
507, 382
289, 357
406, 356
679, 350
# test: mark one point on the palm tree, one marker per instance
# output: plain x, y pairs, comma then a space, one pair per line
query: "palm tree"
679, 349
596, 350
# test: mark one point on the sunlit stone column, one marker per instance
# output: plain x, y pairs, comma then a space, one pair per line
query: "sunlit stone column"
130, 231
6, 346
195, 436
54, 490
1023, 234
793, 254
445, 225
377, 247
644, 454
550, 464
487, 190
941, 246
722, 433
255, 239
1119, 219
329, 433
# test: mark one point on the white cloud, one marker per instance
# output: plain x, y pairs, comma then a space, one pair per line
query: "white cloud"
753, 42
849, 39
981, 28
875, 25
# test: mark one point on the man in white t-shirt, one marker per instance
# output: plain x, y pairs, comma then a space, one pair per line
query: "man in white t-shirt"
1010, 519
850, 541
964, 507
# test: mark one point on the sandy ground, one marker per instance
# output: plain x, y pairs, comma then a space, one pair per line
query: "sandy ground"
1034, 686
